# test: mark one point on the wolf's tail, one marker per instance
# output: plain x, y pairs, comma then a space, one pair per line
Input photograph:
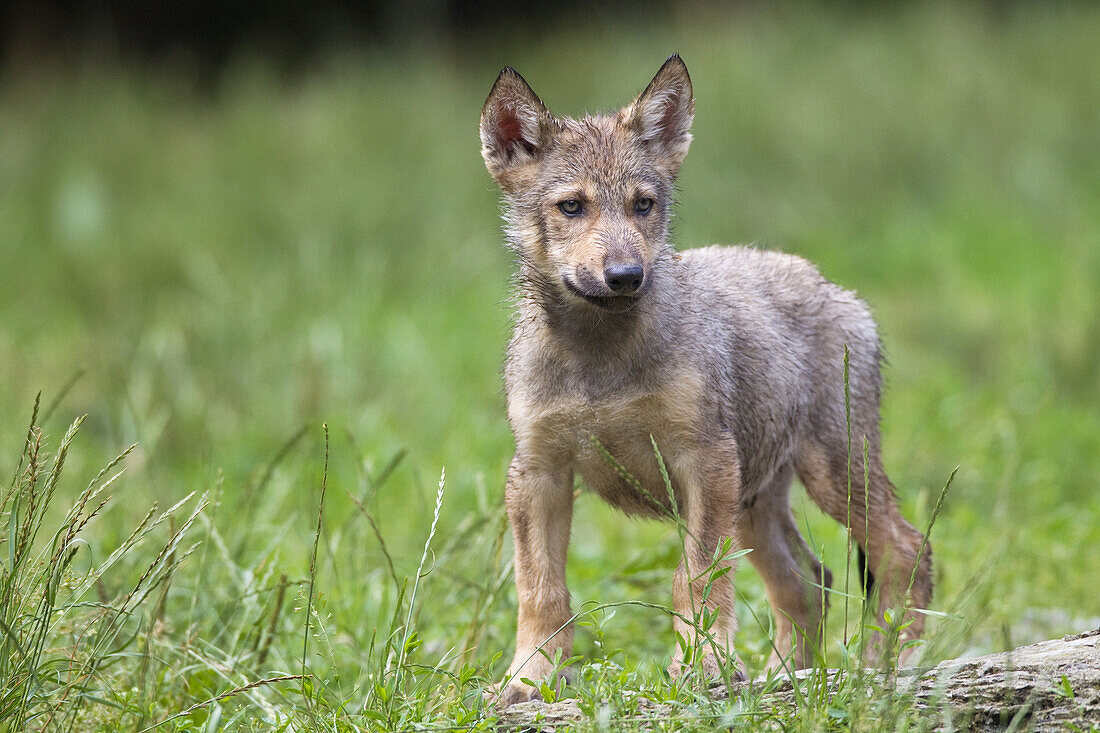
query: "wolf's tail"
865, 577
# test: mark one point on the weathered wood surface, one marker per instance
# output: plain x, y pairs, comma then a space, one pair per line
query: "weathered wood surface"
1050, 686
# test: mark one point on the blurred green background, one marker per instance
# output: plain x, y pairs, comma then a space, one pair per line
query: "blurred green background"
225, 257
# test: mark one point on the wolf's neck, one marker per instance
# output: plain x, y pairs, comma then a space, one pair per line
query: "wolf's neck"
599, 338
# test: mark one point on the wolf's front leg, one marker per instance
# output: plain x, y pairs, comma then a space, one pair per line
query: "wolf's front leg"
709, 503
540, 509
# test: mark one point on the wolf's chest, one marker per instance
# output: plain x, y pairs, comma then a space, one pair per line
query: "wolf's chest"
626, 464
617, 443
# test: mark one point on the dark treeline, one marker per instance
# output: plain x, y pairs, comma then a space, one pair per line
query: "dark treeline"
211, 31
208, 32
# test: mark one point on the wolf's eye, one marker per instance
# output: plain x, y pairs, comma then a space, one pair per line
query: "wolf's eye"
570, 207
643, 205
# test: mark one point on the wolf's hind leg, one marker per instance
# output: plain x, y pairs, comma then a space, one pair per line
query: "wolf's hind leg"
891, 544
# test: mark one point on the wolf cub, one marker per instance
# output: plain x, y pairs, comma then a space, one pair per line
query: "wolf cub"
729, 359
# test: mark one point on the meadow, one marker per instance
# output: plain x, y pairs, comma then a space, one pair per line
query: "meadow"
290, 292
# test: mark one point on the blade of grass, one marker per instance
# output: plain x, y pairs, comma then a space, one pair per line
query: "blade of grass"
313, 575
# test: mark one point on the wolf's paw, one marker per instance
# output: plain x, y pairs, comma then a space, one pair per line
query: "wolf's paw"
880, 654
503, 696
709, 668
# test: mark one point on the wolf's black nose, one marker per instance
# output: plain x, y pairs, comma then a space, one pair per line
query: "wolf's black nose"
623, 279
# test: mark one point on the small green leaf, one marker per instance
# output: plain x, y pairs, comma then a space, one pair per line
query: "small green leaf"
465, 674
719, 572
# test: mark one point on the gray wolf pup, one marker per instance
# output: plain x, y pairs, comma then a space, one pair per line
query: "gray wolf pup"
728, 359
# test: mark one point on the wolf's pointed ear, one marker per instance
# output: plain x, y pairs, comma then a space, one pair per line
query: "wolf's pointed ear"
515, 127
662, 114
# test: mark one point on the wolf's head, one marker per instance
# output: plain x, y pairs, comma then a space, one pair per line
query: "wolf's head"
588, 201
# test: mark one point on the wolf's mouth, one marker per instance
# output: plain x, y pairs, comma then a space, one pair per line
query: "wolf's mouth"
614, 303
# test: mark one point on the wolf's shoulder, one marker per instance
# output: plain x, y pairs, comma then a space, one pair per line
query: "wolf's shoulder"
747, 264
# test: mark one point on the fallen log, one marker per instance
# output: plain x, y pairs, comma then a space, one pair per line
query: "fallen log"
1050, 686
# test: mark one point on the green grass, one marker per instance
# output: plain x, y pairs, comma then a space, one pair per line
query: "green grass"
225, 270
